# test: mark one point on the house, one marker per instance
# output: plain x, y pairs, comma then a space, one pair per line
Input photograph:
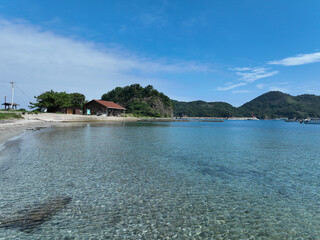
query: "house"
101, 107
71, 110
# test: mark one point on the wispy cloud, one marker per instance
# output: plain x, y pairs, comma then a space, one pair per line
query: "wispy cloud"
300, 59
42, 60
253, 74
248, 75
241, 69
260, 86
182, 98
274, 86
233, 86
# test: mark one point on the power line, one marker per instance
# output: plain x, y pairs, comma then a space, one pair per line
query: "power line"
24, 92
14, 85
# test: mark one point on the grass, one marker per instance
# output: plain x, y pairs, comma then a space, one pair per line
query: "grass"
19, 111
8, 116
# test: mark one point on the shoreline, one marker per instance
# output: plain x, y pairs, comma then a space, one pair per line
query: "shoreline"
13, 128
29, 122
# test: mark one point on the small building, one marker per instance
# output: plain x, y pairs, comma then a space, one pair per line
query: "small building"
71, 110
101, 107
8, 106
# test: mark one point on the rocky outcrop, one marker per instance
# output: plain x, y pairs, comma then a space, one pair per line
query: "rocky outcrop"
158, 106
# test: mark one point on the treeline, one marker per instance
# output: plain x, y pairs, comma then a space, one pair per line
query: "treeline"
138, 100
203, 109
141, 101
270, 105
54, 101
147, 101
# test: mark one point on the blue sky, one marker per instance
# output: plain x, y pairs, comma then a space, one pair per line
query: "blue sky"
230, 51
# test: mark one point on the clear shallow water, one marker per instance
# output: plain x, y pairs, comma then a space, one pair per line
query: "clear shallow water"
171, 180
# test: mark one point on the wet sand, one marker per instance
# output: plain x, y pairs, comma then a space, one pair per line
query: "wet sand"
12, 128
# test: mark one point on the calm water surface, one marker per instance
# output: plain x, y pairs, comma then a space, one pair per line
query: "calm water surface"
172, 180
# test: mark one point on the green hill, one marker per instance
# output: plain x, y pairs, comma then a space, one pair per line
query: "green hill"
278, 104
141, 101
270, 105
203, 109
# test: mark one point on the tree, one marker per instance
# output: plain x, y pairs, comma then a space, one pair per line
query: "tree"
54, 101
141, 101
77, 100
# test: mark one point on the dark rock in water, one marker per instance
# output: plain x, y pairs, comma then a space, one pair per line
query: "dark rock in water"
28, 219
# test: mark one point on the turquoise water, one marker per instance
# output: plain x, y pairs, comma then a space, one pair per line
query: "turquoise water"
167, 180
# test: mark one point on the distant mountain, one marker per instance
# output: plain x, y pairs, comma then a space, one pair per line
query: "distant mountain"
203, 109
277, 104
270, 105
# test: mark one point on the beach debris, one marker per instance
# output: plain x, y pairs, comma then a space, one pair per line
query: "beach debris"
27, 220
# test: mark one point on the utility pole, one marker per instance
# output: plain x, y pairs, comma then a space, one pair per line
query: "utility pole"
12, 92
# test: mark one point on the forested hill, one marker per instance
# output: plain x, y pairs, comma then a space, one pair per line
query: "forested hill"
270, 105
141, 101
278, 104
203, 109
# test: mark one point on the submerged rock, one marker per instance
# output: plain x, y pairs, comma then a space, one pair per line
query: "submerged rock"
28, 219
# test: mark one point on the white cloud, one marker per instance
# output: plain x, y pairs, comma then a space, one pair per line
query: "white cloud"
241, 69
248, 75
182, 98
253, 74
42, 60
298, 59
260, 86
233, 86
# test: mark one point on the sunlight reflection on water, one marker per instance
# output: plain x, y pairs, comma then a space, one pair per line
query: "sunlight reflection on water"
175, 180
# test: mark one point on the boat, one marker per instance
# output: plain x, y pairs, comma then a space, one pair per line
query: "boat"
312, 121
253, 118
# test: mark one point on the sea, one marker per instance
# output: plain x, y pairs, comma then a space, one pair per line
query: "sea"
163, 180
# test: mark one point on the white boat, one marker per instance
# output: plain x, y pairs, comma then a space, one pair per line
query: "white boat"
312, 121
253, 118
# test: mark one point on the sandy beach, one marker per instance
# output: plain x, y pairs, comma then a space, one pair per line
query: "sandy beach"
12, 128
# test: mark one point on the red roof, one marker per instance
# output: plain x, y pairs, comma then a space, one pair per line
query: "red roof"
109, 104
